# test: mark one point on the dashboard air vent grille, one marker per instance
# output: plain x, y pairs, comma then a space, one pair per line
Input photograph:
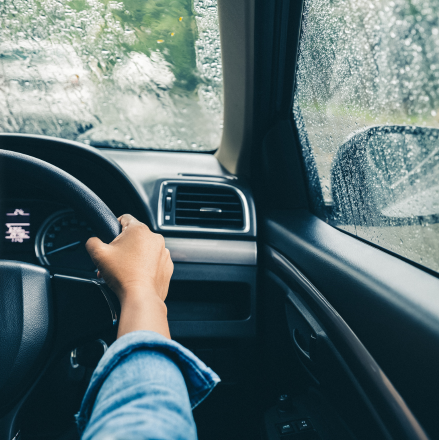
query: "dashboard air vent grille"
208, 206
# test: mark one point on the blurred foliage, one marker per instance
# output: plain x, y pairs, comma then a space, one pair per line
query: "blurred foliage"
167, 26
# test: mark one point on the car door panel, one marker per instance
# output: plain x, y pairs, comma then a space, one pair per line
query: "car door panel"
349, 377
378, 296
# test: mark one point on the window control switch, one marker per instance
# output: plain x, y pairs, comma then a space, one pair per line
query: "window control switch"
303, 425
287, 428
295, 427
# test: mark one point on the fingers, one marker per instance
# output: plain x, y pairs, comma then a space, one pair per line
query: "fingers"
94, 247
127, 220
136, 258
93, 244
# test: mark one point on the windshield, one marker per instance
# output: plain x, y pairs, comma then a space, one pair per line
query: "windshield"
124, 74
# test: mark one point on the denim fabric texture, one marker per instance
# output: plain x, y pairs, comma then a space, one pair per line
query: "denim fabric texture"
145, 387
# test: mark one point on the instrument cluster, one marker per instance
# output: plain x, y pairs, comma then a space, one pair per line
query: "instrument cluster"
45, 233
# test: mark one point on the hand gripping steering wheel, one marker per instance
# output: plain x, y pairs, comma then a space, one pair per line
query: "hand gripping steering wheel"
43, 315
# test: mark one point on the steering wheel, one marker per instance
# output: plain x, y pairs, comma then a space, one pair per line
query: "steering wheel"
43, 316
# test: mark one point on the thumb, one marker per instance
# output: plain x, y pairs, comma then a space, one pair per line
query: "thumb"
95, 247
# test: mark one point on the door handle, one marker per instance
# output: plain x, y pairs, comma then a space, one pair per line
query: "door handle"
302, 352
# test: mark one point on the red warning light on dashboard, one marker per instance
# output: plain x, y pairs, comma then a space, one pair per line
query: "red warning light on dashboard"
17, 224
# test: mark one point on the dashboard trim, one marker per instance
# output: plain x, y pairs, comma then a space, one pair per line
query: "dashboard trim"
241, 253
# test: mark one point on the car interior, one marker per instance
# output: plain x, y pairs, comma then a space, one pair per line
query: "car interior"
312, 292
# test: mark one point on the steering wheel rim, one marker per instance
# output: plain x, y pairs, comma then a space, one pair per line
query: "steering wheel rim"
27, 313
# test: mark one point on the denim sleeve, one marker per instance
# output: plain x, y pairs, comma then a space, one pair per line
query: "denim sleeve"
144, 387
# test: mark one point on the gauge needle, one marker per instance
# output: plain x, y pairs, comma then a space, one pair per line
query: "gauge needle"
64, 247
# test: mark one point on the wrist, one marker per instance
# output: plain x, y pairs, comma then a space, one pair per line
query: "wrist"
139, 296
143, 303
143, 311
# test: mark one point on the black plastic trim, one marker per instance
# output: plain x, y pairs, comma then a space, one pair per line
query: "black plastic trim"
237, 329
379, 389
392, 306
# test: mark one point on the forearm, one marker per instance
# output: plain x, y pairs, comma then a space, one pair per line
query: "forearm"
144, 387
143, 311
144, 397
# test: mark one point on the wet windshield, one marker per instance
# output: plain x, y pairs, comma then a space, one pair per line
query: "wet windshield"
123, 74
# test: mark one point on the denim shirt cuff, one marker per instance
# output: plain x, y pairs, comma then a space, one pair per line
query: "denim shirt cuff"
200, 379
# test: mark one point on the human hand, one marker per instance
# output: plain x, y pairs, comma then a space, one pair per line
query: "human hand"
138, 268
135, 261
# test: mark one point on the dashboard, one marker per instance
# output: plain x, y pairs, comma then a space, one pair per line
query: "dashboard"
213, 288
207, 218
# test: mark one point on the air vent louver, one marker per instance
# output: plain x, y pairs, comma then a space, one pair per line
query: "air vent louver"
208, 206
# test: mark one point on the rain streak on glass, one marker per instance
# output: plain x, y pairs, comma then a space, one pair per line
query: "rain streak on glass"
367, 110
125, 74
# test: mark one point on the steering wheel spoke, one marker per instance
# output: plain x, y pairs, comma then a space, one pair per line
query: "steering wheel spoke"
83, 309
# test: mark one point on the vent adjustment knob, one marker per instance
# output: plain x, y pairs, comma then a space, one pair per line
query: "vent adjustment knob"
168, 204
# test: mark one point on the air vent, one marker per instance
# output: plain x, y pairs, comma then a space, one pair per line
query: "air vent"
208, 206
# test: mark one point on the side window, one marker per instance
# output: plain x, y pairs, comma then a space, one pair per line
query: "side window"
367, 111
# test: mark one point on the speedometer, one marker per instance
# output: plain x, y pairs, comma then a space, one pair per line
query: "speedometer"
61, 242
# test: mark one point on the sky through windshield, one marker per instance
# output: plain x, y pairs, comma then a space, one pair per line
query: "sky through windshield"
128, 74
